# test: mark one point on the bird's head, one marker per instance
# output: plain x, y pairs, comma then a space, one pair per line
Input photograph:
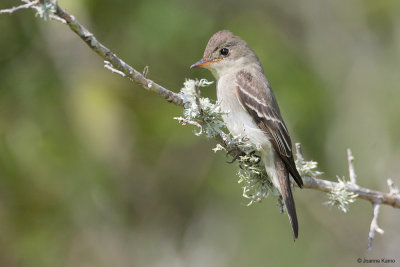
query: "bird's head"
224, 53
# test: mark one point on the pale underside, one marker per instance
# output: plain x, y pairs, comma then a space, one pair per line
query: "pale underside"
240, 123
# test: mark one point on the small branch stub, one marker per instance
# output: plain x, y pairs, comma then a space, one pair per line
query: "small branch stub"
352, 174
109, 66
393, 190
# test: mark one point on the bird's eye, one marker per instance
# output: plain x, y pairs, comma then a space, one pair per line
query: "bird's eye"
224, 51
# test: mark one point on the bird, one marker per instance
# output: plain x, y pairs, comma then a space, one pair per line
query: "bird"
251, 110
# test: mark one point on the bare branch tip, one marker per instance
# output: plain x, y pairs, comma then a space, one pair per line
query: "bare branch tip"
374, 224
352, 174
299, 153
145, 71
393, 190
28, 4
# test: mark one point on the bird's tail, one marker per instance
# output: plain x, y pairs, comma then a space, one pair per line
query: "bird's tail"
287, 196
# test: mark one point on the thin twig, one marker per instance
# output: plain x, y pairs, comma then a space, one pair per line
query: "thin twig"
184, 122
352, 174
25, 6
53, 17
374, 224
33, 5
108, 66
145, 71
299, 152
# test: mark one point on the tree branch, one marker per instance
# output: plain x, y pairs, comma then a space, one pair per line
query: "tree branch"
373, 196
363, 193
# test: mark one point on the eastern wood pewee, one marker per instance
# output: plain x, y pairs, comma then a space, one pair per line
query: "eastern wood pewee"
252, 110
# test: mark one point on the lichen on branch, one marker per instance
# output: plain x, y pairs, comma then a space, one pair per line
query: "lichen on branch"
340, 197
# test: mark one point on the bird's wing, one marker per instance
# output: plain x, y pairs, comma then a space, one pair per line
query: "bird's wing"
258, 99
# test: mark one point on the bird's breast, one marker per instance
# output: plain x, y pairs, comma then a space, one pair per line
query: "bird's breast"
238, 120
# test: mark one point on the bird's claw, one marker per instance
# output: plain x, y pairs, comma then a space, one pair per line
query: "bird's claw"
238, 153
234, 158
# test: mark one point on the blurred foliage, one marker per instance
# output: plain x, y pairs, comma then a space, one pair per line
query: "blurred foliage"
95, 172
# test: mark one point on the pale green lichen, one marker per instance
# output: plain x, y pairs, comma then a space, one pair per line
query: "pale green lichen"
255, 182
307, 168
46, 9
201, 111
340, 197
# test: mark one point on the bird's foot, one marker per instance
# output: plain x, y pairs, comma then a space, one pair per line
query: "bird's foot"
237, 152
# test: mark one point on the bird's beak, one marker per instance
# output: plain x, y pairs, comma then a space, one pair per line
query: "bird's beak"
204, 62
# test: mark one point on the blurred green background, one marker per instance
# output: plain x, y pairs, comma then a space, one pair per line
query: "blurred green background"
95, 172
